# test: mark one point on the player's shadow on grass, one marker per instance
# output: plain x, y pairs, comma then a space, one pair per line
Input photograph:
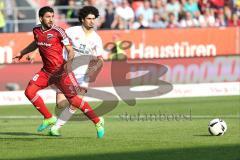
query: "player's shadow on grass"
22, 134
227, 152
202, 135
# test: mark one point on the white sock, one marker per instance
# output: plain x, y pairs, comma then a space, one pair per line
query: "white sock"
64, 117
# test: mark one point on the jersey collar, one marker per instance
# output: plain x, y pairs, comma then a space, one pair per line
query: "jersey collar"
47, 29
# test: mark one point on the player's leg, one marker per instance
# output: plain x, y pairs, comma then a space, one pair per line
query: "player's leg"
89, 112
66, 110
36, 100
39, 81
71, 89
61, 100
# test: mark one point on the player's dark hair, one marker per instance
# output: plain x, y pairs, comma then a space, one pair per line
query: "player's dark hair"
44, 10
85, 11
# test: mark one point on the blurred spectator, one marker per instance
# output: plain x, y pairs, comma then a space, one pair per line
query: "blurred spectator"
217, 3
116, 2
72, 12
140, 23
146, 11
191, 6
235, 21
237, 3
124, 16
157, 22
201, 19
188, 21
2, 17
236, 7
220, 19
118, 23
173, 6
136, 4
159, 8
172, 21
210, 18
203, 5
228, 15
9, 14
109, 15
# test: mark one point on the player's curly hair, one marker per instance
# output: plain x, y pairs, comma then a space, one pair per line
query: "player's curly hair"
85, 11
44, 10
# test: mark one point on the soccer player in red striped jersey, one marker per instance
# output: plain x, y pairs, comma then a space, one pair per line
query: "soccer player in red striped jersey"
50, 41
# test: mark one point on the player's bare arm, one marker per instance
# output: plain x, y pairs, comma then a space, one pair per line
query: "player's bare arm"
71, 55
30, 48
31, 57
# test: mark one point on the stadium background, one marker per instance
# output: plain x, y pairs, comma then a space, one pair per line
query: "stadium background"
202, 61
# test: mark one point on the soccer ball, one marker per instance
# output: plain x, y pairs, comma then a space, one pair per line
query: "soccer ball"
217, 127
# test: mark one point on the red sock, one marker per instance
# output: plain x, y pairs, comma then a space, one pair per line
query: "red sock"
85, 108
31, 94
89, 112
41, 107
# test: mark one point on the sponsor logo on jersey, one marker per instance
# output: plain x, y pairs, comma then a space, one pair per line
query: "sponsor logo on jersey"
44, 44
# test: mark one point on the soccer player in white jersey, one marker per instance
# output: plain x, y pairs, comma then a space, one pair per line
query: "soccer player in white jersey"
86, 42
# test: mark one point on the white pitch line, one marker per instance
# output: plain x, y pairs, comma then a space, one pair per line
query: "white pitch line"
123, 116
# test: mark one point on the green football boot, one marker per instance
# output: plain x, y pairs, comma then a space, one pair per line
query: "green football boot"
100, 128
46, 123
54, 131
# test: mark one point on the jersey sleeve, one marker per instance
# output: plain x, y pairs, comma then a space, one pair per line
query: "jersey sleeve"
34, 31
99, 48
63, 36
69, 34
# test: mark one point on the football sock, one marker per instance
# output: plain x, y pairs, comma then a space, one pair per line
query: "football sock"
88, 111
31, 94
41, 107
64, 117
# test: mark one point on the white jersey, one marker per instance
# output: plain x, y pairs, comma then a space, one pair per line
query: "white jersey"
83, 44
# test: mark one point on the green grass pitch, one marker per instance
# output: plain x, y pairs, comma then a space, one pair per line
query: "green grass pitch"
164, 129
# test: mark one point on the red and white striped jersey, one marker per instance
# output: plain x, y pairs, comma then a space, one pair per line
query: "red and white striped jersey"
50, 44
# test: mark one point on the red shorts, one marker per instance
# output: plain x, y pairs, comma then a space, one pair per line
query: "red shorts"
64, 81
